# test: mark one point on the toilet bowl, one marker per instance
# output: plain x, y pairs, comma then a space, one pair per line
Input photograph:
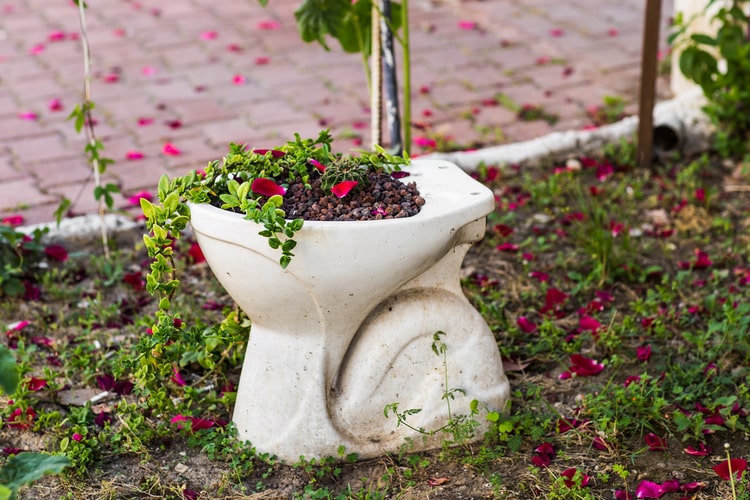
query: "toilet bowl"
347, 328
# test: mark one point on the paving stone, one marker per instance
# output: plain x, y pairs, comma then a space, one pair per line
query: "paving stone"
43, 148
7, 172
50, 174
300, 89
20, 192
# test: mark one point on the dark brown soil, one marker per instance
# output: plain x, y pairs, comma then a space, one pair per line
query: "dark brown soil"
383, 197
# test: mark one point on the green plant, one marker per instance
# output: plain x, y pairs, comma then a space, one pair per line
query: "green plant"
725, 84
19, 254
611, 110
460, 427
82, 118
25, 467
351, 24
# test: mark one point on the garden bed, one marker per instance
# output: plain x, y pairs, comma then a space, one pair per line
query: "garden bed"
618, 295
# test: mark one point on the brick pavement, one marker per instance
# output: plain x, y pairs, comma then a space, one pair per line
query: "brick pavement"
201, 73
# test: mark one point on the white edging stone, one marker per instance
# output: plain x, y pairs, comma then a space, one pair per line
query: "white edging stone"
684, 113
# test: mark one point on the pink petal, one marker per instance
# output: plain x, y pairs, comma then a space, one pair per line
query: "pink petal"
546, 448
267, 187
12, 220
136, 198
177, 377
589, 324
541, 460
737, 466
148, 70
613, 32
134, 155
503, 230
507, 247
541, 61
238, 79
622, 495
56, 252
570, 473
55, 104
195, 254
142, 122
111, 78
554, 298
173, 124
599, 443
274, 152
56, 36
209, 35
268, 25
200, 423
557, 32
179, 418
585, 367
262, 60
648, 489
701, 451
654, 442
233, 47
467, 25
526, 325
169, 149
318, 165
36, 49
28, 115
643, 353
342, 188
76, 437
565, 375
538, 275
17, 326
36, 384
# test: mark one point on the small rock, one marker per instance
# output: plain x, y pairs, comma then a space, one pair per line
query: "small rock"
181, 468
573, 164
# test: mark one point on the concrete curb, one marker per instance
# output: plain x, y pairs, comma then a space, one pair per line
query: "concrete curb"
682, 113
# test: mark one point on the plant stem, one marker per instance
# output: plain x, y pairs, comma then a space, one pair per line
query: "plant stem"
88, 120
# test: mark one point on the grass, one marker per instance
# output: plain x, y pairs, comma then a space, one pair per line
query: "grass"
642, 274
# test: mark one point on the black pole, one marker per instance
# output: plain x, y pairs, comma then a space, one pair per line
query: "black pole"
392, 114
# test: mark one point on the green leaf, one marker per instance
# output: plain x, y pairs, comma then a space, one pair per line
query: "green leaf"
26, 468
147, 208
5, 493
704, 39
8, 371
318, 18
62, 209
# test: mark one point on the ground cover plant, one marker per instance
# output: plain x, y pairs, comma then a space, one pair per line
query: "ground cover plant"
618, 296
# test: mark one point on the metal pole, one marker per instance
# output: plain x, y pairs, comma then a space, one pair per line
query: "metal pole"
376, 81
389, 76
648, 82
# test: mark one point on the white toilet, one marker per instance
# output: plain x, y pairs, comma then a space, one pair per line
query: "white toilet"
347, 328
